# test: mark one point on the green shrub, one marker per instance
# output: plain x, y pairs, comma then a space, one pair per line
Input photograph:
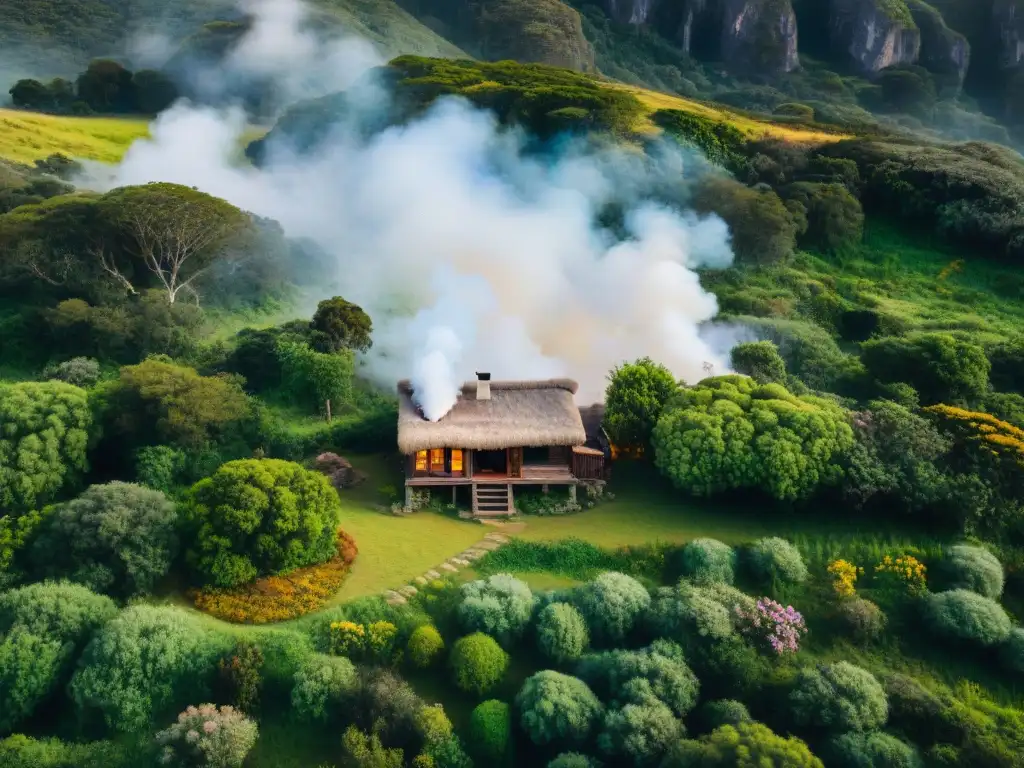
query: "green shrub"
311, 378
478, 663
730, 667
706, 561
118, 537
425, 646
500, 606
660, 666
941, 367
388, 704
557, 709
729, 433
639, 733
140, 663
835, 218
690, 612
225, 738
561, 633
961, 615
760, 360
774, 559
719, 141
490, 732
974, 568
1013, 650
44, 431
257, 517
342, 325
29, 669
801, 111
611, 605
572, 760
78, 371
160, 466
20, 751
742, 745
715, 714
636, 394
839, 697
861, 620
872, 750
323, 687
240, 677
69, 613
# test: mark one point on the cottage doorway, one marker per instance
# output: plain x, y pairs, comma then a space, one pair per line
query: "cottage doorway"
490, 463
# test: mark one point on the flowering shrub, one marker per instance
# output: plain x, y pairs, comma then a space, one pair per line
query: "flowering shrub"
769, 623
347, 638
282, 597
382, 642
903, 575
208, 736
240, 678
844, 577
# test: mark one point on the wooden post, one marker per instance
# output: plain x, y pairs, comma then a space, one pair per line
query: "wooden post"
572, 493
544, 489
328, 410
453, 494
408, 498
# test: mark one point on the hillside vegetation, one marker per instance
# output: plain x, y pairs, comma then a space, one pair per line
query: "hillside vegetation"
25, 136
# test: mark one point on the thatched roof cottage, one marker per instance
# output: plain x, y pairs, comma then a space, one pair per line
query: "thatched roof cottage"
498, 435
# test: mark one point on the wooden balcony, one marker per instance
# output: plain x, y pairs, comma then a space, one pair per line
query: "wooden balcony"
541, 474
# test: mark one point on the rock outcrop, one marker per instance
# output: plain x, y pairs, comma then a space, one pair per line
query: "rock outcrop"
631, 11
543, 31
1008, 18
339, 471
759, 36
875, 33
943, 50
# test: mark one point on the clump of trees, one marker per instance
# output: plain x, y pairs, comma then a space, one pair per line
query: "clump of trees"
106, 87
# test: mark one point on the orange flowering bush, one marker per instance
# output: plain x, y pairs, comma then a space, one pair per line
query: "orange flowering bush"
282, 597
902, 574
347, 638
844, 577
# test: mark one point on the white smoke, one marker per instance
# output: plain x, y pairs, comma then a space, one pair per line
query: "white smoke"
468, 254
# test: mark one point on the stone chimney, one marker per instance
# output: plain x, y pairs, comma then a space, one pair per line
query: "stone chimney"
483, 386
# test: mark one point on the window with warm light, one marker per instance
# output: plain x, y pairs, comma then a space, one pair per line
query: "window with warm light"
456, 461
437, 459
421, 461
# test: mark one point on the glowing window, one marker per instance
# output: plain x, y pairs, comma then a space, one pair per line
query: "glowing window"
421, 461
437, 459
456, 460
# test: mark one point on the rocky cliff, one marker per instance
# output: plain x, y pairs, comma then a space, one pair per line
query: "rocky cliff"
1008, 18
943, 50
631, 11
875, 34
759, 35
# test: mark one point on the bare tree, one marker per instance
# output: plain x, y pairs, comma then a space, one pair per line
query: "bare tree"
177, 237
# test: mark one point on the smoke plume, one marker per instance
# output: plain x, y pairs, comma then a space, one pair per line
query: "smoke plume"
469, 253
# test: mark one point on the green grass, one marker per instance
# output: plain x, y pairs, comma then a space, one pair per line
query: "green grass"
27, 136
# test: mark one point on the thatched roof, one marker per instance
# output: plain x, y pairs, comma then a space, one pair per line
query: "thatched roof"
519, 414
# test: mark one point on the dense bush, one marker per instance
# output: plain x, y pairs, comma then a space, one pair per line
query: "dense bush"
207, 735
974, 568
342, 325
425, 646
69, 613
636, 394
311, 378
917, 712
490, 732
861, 619
118, 538
78, 371
774, 559
839, 697
1012, 651
500, 606
660, 666
715, 714
747, 744
967, 616
260, 516
872, 750
557, 709
44, 430
240, 677
140, 663
760, 360
639, 732
611, 605
835, 219
323, 687
707, 561
572, 760
20, 751
387, 703
687, 612
561, 633
941, 367
29, 669
478, 663
728, 433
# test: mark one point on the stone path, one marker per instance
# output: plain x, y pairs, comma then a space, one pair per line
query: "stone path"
464, 559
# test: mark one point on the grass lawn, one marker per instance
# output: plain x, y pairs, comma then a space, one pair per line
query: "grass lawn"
750, 126
28, 136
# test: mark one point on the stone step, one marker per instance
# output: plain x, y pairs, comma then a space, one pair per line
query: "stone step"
448, 567
500, 538
422, 580
408, 590
432, 574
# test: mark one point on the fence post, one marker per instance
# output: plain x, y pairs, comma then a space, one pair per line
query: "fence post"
328, 410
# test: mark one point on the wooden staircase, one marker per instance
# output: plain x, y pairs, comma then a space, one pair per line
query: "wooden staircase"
492, 500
